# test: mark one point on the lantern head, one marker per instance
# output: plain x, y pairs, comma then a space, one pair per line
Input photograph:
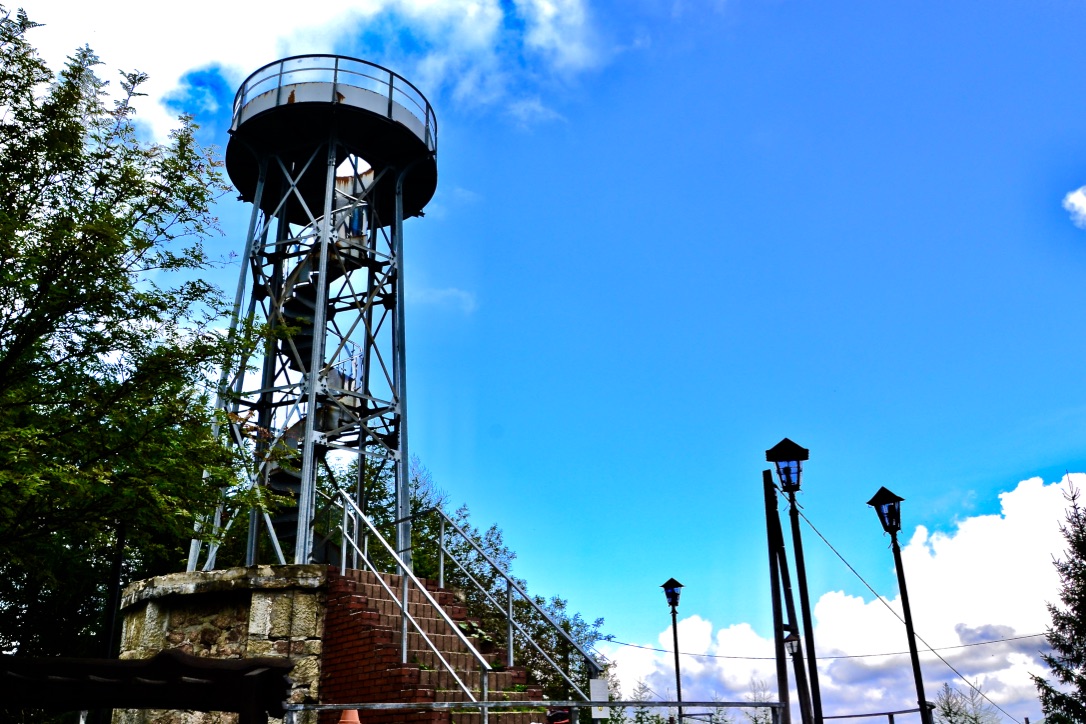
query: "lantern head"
787, 456
672, 589
888, 507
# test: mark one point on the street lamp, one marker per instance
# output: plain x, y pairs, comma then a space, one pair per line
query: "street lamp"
888, 507
672, 589
795, 650
788, 457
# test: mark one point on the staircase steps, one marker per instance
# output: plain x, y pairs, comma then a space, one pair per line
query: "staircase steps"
362, 649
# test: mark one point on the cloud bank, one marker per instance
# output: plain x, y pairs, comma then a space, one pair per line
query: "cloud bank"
978, 595
476, 53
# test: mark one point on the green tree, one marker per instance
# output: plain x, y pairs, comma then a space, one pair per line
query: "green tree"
617, 714
758, 694
720, 715
105, 445
644, 714
1064, 702
954, 706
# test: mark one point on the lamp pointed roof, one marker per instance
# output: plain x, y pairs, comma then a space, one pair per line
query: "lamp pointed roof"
884, 497
786, 450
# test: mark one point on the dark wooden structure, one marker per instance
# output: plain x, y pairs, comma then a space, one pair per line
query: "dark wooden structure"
254, 688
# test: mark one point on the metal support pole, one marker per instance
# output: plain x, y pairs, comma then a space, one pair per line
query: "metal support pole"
801, 683
315, 378
403, 621
441, 556
921, 700
403, 472
775, 594
678, 676
805, 608
509, 624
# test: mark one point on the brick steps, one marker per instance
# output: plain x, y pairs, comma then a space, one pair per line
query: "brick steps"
362, 656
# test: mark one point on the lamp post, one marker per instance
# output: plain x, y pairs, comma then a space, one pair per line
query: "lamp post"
788, 456
672, 589
792, 646
888, 507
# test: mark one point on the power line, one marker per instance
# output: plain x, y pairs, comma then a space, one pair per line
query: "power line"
820, 658
918, 636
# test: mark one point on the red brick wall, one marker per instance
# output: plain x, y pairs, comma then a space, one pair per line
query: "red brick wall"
361, 661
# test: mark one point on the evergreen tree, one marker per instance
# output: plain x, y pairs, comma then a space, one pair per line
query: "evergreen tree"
1064, 702
642, 714
954, 706
759, 694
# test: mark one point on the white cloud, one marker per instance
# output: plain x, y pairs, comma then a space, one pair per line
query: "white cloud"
559, 31
1075, 204
988, 579
452, 297
471, 49
528, 111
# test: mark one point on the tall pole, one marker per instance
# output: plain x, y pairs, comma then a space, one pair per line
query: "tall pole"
678, 677
403, 467
805, 609
772, 523
921, 701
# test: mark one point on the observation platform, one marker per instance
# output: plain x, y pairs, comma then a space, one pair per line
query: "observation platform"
292, 107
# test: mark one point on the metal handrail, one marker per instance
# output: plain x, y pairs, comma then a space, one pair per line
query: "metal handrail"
512, 585
350, 534
517, 626
292, 710
351, 511
337, 70
888, 714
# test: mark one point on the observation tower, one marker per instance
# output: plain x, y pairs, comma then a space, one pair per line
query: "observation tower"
333, 153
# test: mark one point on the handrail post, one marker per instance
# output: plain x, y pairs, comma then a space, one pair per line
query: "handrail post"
484, 686
335, 79
343, 544
441, 556
403, 620
279, 85
509, 623
391, 76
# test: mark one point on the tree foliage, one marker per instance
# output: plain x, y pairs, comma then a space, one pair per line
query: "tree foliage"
644, 714
1064, 701
956, 706
105, 344
759, 694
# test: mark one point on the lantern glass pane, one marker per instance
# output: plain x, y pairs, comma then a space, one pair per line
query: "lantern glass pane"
788, 471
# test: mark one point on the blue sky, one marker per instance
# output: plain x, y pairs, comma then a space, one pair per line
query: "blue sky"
668, 234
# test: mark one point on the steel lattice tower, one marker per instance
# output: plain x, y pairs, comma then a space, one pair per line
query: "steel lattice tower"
333, 153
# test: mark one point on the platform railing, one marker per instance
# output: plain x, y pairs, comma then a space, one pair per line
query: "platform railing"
337, 70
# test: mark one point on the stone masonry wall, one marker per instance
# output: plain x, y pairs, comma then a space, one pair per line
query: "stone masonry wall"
232, 613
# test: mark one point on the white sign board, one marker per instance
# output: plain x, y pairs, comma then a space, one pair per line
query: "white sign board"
597, 690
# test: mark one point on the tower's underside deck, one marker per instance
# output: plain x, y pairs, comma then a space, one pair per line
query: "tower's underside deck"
294, 121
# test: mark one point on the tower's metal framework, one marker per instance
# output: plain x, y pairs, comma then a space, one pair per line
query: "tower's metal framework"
333, 153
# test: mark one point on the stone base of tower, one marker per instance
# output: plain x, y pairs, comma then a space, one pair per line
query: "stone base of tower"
342, 633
